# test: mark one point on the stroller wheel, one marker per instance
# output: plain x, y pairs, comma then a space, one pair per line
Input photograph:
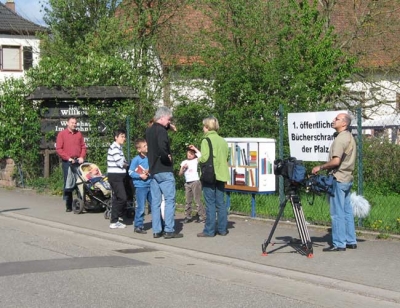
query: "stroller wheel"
77, 206
107, 214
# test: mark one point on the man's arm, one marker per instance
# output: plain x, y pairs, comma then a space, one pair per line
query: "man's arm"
332, 164
60, 147
164, 149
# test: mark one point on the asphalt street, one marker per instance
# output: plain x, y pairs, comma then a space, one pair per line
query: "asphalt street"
50, 258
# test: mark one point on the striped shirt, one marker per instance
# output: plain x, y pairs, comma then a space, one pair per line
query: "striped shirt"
115, 159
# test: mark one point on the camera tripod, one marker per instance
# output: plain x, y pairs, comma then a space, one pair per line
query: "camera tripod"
306, 247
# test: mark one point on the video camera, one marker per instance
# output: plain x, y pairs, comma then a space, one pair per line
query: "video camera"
290, 169
293, 171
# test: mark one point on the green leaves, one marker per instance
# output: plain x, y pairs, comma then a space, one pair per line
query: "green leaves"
19, 126
264, 53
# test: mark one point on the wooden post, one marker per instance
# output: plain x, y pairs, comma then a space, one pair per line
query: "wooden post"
46, 163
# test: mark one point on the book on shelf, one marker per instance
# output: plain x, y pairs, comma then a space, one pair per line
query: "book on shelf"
253, 158
252, 180
239, 178
139, 169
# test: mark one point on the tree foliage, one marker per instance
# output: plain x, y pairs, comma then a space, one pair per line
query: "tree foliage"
261, 54
19, 126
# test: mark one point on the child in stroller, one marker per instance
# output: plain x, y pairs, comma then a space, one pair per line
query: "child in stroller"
97, 180
92, 189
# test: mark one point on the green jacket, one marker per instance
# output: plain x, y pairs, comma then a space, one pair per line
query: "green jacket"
220, 155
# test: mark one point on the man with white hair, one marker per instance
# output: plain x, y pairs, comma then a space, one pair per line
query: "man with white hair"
162, 176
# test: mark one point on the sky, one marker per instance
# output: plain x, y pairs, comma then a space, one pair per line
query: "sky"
30, 9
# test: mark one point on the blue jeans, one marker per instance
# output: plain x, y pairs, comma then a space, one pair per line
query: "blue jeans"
216, 209
142, 195
163, 184
343, 228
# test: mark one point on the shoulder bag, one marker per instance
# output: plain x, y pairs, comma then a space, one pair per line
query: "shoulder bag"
207, 168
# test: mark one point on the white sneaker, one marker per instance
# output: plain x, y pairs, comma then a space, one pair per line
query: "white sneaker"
117, 225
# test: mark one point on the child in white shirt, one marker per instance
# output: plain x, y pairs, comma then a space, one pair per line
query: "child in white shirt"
192, 186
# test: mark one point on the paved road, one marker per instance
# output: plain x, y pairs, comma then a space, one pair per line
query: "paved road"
50, 258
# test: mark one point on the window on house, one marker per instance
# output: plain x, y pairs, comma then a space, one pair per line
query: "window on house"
10, 58
28, 57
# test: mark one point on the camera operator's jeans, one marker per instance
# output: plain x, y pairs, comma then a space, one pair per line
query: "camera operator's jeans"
343, 228
215, 208
163, 183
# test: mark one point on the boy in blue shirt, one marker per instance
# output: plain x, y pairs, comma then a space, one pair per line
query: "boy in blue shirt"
139, 172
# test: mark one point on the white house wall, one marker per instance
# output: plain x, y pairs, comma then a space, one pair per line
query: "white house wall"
384, 91
14, 40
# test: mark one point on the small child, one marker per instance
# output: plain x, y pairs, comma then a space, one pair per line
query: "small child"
139, 172
192, 185
98, 180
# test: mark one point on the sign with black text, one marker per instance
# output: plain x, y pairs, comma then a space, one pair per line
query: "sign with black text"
311, 134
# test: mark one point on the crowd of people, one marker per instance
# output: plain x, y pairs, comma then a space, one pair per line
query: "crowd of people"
151, 172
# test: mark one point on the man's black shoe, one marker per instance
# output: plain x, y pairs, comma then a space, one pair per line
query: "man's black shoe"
157, 235
223, 233
140, 231
168, 235
351, 246
68, 209
333, 248
187, 220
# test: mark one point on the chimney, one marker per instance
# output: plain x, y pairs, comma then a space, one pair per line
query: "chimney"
10, 4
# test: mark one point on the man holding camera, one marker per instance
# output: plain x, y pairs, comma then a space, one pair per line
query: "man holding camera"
341, 163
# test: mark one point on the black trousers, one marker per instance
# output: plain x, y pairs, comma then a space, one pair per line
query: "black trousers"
119, 198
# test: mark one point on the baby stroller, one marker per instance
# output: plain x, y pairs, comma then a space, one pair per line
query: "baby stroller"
129, 211
93, 192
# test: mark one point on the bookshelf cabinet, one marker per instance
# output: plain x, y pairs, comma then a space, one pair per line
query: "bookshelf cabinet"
251, 164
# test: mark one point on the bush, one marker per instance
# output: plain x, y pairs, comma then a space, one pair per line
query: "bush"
381, 171
19, 127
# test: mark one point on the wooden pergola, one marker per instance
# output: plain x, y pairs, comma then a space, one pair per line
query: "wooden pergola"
55, 95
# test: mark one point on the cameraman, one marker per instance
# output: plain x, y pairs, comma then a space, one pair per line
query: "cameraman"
342, 158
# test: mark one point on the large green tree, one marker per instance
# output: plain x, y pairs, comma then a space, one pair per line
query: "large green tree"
107, 43
261, 54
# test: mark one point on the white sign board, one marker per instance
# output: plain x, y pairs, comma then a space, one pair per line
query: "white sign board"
311, 134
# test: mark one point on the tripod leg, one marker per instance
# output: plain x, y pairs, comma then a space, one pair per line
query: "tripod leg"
301, 225
268, 241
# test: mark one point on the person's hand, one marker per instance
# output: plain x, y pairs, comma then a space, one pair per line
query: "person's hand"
316, 169
80, 160
192, 147
172, 127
